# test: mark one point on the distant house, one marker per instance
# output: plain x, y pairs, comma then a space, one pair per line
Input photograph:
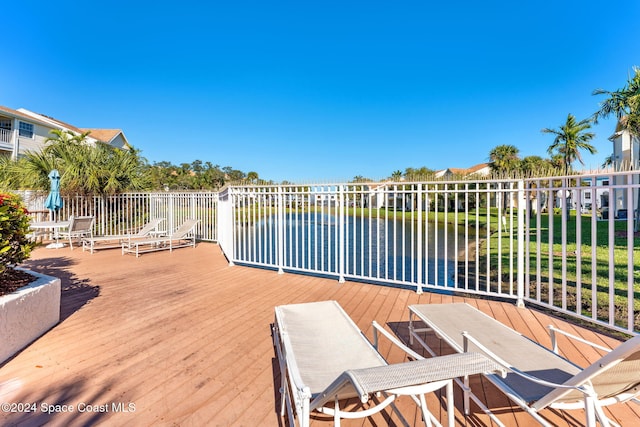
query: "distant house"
22, 130
482, 169
626, 155
626, 148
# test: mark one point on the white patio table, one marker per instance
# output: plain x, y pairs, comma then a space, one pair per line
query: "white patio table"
51, 225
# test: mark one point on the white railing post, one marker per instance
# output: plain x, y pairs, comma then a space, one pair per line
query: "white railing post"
419, 240
170, 217
225, 222
341, 233
522, 211
280, 231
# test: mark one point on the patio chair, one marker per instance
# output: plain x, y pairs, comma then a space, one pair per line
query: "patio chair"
80, 228
538, 377
116, 240
182, 236
325, 358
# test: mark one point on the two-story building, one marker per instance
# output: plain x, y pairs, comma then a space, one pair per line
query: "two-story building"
22, 130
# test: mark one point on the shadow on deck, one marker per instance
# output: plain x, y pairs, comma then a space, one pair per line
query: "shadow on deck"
184, 339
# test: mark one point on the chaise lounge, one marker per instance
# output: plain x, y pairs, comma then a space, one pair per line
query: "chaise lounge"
181, 237
538, 377
116, 240
324, 359
80, 228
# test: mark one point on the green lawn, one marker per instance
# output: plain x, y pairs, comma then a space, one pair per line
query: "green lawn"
546, 251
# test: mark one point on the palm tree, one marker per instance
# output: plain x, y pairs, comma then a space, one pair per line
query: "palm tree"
570, 138
504, 159
608, 161
624, 103
422, 173
534, 165
85, 168
396, 175
253, 177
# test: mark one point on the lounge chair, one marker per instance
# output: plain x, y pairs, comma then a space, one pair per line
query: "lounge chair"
538, 377
80, 228
116, 240
182, 236
324, 358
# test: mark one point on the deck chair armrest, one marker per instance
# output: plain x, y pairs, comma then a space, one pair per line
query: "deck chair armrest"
554, 342
469, 338
407, 377
377, 328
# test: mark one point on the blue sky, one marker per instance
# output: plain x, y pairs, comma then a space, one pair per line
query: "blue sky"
320, 90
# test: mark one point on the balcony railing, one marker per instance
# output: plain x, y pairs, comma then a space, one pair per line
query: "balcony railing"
5, 136
566, 243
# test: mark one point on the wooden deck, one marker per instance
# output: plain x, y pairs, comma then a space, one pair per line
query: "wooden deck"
184, 339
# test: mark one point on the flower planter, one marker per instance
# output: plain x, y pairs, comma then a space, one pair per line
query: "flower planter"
28, 313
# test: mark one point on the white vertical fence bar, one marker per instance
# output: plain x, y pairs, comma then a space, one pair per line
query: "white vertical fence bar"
419, 236
631, 256
594, 250
280, 249
522, 254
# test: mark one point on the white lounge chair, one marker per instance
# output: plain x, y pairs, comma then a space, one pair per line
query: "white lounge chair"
80, 227
538, 377
324, 358
116, 240
181, 237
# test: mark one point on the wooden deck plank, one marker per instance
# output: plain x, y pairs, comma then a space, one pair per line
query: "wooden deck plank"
186, 339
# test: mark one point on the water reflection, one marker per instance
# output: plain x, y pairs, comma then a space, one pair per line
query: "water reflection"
383, 249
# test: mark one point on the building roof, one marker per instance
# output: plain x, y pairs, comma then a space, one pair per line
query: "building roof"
102, 135
21, 115
479, 169
105, 135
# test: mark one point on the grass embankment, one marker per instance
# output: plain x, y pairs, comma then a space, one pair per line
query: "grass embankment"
547, 251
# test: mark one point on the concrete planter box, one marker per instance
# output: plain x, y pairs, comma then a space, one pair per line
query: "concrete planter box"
28, 313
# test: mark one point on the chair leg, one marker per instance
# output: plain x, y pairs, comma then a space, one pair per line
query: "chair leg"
590, 412
600, 415
450, 405
283, 388
426, 415
466, 389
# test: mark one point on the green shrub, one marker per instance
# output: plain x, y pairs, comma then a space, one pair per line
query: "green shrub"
15, 246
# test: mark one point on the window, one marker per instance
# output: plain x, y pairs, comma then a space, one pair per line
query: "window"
25, 130
587, 196
5, 124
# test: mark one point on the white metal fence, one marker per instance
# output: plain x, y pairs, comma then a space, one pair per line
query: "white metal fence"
420, 235
565, 243
581, 253
127, 212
